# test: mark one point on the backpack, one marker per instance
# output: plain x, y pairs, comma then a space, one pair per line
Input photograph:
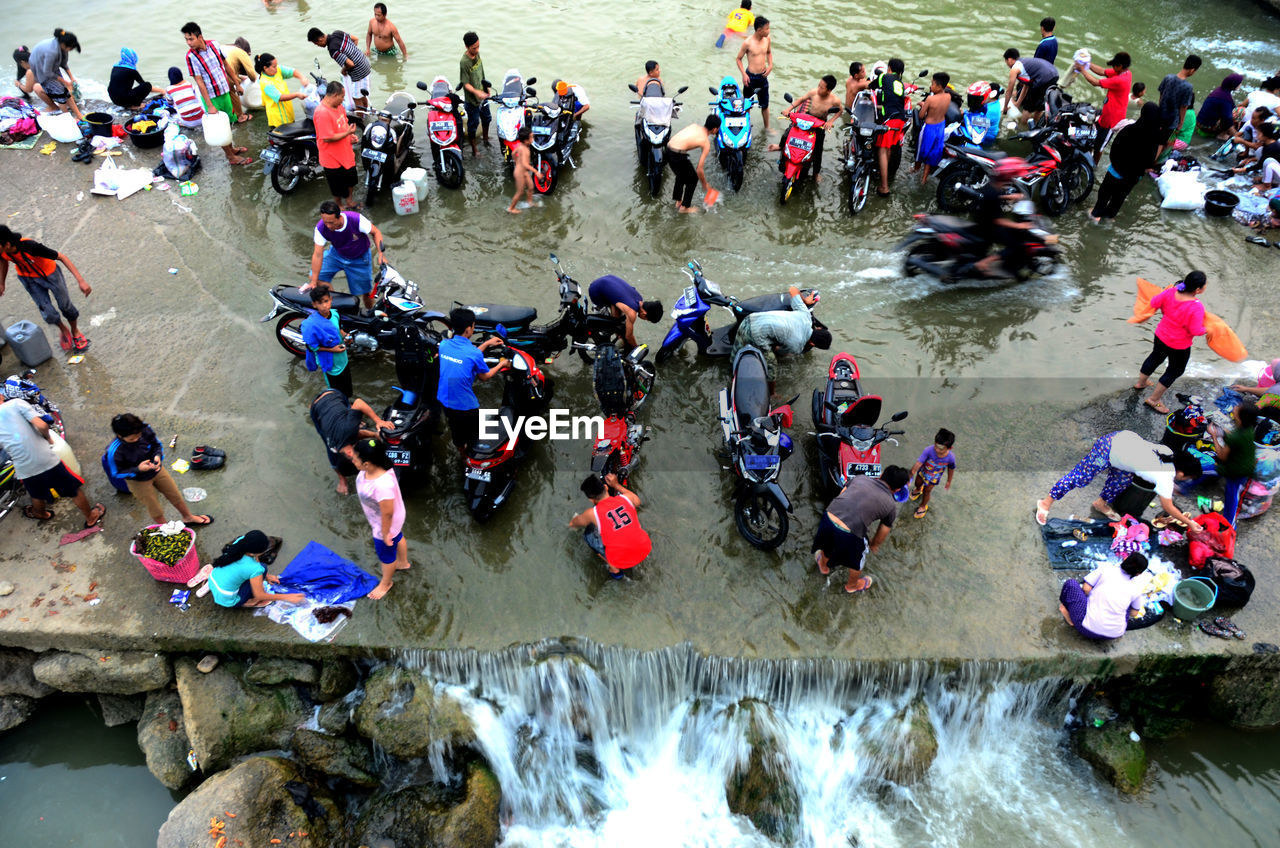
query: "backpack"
1234, 580
116, 481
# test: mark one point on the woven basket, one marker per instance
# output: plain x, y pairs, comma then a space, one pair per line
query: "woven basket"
181, 571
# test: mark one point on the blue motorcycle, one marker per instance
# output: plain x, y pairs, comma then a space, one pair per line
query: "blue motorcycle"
696, 301
734, 137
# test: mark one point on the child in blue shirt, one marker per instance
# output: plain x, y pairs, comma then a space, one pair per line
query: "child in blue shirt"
927, 472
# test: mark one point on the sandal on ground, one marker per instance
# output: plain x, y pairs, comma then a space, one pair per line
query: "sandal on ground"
201, 576
102, 513
1157, 406
1042, 514
207, 449
1258, 240
864, 583
80, 343
1212, 629
208, 519
922, 511
30, 512
241, 160
1229, 626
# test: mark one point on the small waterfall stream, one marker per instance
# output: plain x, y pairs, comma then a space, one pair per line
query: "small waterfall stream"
604, 746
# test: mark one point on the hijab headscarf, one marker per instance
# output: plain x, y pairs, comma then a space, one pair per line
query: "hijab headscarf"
1223, 92
1135, 147
128, 59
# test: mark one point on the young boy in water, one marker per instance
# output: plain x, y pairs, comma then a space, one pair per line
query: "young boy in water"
933, 134
523, 172
927, 472
737, 22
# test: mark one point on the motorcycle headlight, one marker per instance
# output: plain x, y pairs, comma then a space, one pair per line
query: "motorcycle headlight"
378, 135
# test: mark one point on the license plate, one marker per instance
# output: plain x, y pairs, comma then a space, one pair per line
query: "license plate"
866, 469
542, 130
800, 143
756, 462
374, 155
270, 154
441, 126
398, 456
690, 296
735, 123
482, 476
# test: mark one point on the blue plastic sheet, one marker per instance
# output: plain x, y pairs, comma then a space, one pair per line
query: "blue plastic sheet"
324, 576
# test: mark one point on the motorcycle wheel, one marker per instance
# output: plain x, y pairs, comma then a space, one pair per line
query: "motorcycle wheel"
1054, 197
785, 194
284, 177
761, 519
925, 251
291, 323
450, 174
949, 198
1079, 178
655, 178
11, 491
545, 178
735, 170
859, 186
1043, 266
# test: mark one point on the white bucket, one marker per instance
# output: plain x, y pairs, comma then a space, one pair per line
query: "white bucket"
417, 176
405, 197
217, 128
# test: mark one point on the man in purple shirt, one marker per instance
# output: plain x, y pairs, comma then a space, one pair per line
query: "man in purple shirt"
624, 301
342, 244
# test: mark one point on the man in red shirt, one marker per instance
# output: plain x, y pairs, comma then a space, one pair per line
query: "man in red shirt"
335, 138
612, 527
1115, 80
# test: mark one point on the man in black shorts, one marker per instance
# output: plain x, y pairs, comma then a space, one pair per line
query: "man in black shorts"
338, 422
758, 49
842, 534
24, 436
692, 137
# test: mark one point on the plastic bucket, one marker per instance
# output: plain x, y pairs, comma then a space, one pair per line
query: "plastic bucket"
1193, 597
100, 123
217, 128
1135, 499
405, 197
28, 342
251, 95
417, 176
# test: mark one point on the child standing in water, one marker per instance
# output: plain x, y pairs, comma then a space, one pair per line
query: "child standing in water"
523, 172
927, 472
932, 135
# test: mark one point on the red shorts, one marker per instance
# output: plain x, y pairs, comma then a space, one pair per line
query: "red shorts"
892, 137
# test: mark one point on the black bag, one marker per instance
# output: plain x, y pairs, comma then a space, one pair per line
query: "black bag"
1234, 580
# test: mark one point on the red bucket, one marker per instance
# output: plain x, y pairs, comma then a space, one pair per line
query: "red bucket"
181, 571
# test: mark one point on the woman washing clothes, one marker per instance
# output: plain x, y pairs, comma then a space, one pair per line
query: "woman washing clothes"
25, 81
1216, 118
127, 88
1182, 319
236, 578
1102, 605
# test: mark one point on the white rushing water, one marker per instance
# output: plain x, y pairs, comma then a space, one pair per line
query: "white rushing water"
607, 747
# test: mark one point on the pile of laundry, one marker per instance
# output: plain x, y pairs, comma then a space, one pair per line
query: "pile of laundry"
17, 120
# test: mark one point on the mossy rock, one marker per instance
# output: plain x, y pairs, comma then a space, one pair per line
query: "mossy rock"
1247, 695
407, 718
761, 788
474, 822
1117, 758
336, 757
271, 671
906, 746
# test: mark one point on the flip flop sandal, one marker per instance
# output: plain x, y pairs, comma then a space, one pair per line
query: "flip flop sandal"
201, 576
102, 513
206, 449
869, 581
1265, 648
1258, 240
1212, 629
30, 513
1229, 626
198, 524
207, 462
921, 512
1042, 514
80, 343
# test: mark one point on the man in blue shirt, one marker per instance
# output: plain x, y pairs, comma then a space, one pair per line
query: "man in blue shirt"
1047, 49
461, 363
623, 301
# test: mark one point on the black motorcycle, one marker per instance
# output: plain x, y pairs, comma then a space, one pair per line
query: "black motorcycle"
397, 298
547, 341
858, 151
553, 133
949, 248
756, 446
622, 383
654, 115
387, 144
415, 414
291, 150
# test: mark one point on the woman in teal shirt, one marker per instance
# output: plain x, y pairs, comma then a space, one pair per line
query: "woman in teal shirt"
236, 577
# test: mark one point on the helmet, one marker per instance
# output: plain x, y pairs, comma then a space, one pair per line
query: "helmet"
879, 68
1010, 168
980, 89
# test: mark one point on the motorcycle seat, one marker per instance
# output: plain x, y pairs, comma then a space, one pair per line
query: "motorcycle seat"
750, 398
307, 128
489, 315
993, 155
765, 303
951, 222
342, 301
488, 450
863, 412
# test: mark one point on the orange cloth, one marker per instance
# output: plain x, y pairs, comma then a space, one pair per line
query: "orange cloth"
1221, 338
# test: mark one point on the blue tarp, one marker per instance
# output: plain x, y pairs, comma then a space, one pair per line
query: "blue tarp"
324, 576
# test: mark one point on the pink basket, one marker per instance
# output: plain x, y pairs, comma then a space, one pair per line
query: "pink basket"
181, 571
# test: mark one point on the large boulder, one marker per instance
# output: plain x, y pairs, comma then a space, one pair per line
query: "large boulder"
760, 788
16, 677
1115, 755
112, 672
403, 714
14, 710
435, 817
162, 736
227, 718
338, 676
336, 757
1247, 695
270, 671
906, 746
474, 823
257, 792
120, 709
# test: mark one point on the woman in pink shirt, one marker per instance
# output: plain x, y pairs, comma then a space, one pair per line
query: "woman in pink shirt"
1182, 319
379, 493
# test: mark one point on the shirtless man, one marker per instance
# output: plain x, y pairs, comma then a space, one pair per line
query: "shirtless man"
687, 176
820, 101
383, 35
651, 71
758, 49
857, 81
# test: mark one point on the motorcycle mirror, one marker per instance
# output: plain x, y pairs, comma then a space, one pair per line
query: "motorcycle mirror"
458, 87
500, 331
422, 85
682, 89
712, 90
530, 80
529, 91
555, 260
923, 73
787, 97
632, 86
898, 416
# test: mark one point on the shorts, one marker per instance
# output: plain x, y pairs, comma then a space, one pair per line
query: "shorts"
891, 136
56, 90
1034, 101
356, 89
58, 482
477, 113
386, 553
359, 271
246, 594
930, 479
341, 180
929, 150
221, 102
757, 84
843, 549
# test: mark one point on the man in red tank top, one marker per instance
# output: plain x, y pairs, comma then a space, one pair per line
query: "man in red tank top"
612, 526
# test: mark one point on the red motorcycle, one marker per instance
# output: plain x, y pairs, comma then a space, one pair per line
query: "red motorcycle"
798, 149
622, 383
845, 420
444, 130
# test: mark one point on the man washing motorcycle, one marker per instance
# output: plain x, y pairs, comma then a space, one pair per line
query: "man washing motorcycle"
793, 331
624, 301
818, 103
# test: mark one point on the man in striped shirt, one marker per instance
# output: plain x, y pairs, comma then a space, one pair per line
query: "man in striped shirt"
207, 67
350, 58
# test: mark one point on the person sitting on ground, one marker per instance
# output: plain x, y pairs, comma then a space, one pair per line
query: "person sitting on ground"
1100, 606
1217, 113
1268, 156
137, 457
55, 84
1267, 391
1250, 138
623, 300
235, 579
782, 331
383, 35
1267, 96
185, 99
25, 81
1124, 455
612, 527
127, 89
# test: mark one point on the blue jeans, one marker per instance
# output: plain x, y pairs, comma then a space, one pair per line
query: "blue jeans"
475, 116
359, 272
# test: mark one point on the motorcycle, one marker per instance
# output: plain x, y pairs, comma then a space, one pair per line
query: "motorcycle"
547, 341
386, 145
553, 134
696, 301
798, 149
733, 139
654, 114
489, 471
396, 297
291, 150
23, 387
858, 150
415, 413
512, 112
445, 113
756, 446
948, 248
622, 383
845, 423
